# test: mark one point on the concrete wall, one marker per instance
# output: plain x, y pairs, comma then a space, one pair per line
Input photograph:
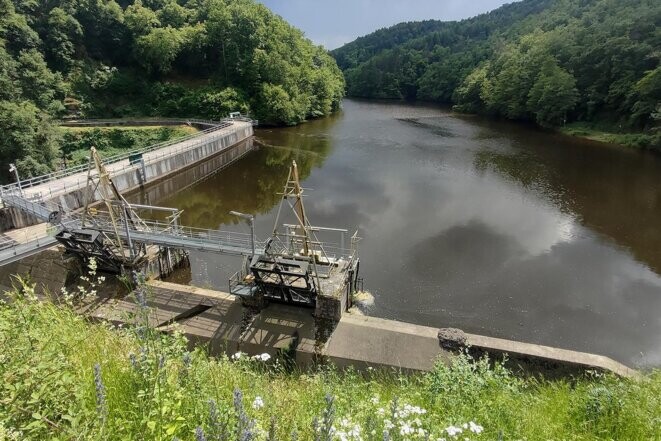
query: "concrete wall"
136, 176
131, 178
156, 191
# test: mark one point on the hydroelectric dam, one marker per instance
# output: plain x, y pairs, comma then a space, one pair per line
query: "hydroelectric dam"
227, 323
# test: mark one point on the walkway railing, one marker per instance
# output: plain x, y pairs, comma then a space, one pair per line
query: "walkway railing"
150, 232
50, 177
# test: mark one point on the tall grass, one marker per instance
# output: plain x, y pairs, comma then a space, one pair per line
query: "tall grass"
64, 378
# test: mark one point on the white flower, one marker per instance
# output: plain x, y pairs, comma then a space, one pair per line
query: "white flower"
453, 431
375, 399
258, 403
381, 411
237, 355
406, 430
265, 357
475, 428
388, 424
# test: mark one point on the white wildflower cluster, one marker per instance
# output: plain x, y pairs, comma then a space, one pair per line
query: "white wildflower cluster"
347, 431
259, 357
84, 293
465, 429
258, 403
9, 434
406, 421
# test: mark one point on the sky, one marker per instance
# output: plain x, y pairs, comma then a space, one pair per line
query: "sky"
333, 23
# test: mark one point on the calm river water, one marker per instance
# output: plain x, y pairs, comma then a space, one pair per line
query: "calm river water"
491, 227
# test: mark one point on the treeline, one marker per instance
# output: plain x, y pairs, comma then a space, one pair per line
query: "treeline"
548, 61
193, 58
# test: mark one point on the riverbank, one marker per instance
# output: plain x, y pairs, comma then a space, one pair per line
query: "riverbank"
641, 140
65, 378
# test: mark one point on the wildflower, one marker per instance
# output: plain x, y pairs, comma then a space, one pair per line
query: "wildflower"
237, 355
374, 399
265, 357
258, 403
475, 428
101, 405
406, 429
187, 360
133, 360
381, 411
199, 434
245, 425
453, 431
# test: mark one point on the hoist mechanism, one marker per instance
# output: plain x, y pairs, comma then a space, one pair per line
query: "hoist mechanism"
296, 266
105, 234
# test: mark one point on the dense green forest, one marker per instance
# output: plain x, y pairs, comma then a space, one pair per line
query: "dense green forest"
549, 61
192, 58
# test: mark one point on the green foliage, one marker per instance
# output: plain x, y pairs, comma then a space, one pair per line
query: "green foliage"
63, 377
195, 58
76, 143
552, 95
29, 138
547, 61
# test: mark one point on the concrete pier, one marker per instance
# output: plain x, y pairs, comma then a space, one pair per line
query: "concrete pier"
220, 321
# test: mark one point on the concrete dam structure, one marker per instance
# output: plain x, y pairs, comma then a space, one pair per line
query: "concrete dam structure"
133, 170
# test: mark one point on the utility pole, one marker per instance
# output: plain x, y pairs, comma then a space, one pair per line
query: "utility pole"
12, 168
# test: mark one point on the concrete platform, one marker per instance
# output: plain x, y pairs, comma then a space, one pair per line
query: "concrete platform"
363, 341
220, 321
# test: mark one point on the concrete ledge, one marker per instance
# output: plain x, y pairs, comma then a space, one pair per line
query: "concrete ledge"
370, 341
536, 357
357, 341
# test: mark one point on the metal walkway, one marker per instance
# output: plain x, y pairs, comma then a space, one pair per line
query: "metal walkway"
148, 232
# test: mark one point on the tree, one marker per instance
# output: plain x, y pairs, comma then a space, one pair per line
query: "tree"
553, 94
29, 138
474, 94
62, 35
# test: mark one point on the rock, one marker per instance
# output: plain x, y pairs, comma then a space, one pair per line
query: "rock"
452, 338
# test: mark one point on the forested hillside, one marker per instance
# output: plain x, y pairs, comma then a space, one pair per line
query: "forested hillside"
192, 58
550, 61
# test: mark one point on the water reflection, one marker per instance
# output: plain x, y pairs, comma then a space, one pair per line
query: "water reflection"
492, 227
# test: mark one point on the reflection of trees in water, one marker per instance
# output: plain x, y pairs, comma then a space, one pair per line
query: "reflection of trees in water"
613, 192
250, 185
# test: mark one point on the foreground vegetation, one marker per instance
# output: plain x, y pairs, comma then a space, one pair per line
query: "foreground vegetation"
64, 378
542, 60
107, 58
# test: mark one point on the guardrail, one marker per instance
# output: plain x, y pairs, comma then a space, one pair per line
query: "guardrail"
37, 180
49, 177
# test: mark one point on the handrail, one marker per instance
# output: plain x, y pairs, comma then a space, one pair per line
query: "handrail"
37, 180
31, 182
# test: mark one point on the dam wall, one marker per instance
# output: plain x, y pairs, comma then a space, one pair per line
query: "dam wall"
130, 174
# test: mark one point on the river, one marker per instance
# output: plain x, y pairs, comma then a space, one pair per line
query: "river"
493, 227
